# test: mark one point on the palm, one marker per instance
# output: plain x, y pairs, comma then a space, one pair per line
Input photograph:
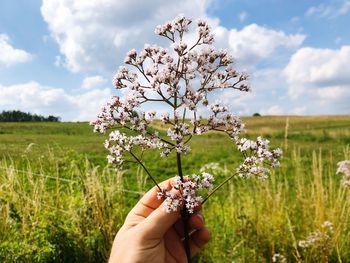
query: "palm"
169, 249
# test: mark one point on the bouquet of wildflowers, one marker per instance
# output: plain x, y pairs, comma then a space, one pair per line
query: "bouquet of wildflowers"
182, 79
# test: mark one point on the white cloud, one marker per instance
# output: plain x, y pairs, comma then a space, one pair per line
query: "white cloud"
35, 98
334, 97
299, 110
9, 55
239, 102
90, 103
95, 34
268, 90
254, 43
329, 11
320, 10
320, 78
273, 110
269, 96
317, 68
93, 82
344, 9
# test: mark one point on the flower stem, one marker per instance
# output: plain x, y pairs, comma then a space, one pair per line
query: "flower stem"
218, 187
144, 167
184, 214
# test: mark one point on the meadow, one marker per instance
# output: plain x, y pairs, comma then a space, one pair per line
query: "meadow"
61, 202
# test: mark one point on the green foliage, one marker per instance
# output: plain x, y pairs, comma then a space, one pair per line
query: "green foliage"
64, 213
19, 116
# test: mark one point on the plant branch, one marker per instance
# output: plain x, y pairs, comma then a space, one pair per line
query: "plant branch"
165, 99
184, 214
218, 187
144, 167
199, 39
150, 134
184, 116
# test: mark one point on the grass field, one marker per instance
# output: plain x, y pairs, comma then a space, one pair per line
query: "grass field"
59, 202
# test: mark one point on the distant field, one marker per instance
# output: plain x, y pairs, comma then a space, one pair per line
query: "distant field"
58, 199
32, 140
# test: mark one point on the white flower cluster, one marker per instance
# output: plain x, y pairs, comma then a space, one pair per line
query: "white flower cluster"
319, 238
184, 192
162, 78
121, 111
279, 258
178, 131
258, 154
344, 168
204, 32
118, 143
179, 24
181, 80
214, 168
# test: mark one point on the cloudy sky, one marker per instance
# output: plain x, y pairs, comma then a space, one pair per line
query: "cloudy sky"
58, 56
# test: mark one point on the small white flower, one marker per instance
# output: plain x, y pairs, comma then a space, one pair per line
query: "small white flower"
278, 258
186, 192
318, 238
344, 168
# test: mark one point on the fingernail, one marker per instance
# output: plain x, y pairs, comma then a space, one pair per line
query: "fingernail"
200, 216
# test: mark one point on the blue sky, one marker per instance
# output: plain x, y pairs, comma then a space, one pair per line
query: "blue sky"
58, 56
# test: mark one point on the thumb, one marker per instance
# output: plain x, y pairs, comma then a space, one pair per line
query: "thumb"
158, 222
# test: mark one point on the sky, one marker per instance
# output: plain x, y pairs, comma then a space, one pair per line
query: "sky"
58, 57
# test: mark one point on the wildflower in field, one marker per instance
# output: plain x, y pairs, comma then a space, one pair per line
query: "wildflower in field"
319, 238
185, 192
344, 168
279, 258
213, 168
181, 78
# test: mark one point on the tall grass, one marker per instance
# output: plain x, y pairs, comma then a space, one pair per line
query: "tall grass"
48, 218
73, 214
58, 203
256, 219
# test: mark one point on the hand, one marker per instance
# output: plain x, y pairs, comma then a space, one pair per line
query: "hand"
149, 234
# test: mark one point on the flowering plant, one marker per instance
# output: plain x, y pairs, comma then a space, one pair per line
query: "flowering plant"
182, 79
344, 168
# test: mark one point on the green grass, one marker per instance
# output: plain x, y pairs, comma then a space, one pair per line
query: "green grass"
329, 133
46, 219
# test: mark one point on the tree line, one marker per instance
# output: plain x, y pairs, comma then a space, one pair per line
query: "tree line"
19, 116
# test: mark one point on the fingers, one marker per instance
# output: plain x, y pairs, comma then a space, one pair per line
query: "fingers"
199, 239
199, 234
174, 246
158, 223
148, 203
149, 216
196, 221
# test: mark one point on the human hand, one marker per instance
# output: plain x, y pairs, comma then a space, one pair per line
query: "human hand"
149, 234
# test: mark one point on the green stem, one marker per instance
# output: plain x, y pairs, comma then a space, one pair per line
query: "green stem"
144, 167
184, 214
218, 187
184, 116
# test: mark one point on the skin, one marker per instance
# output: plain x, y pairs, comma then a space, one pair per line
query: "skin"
149, 234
